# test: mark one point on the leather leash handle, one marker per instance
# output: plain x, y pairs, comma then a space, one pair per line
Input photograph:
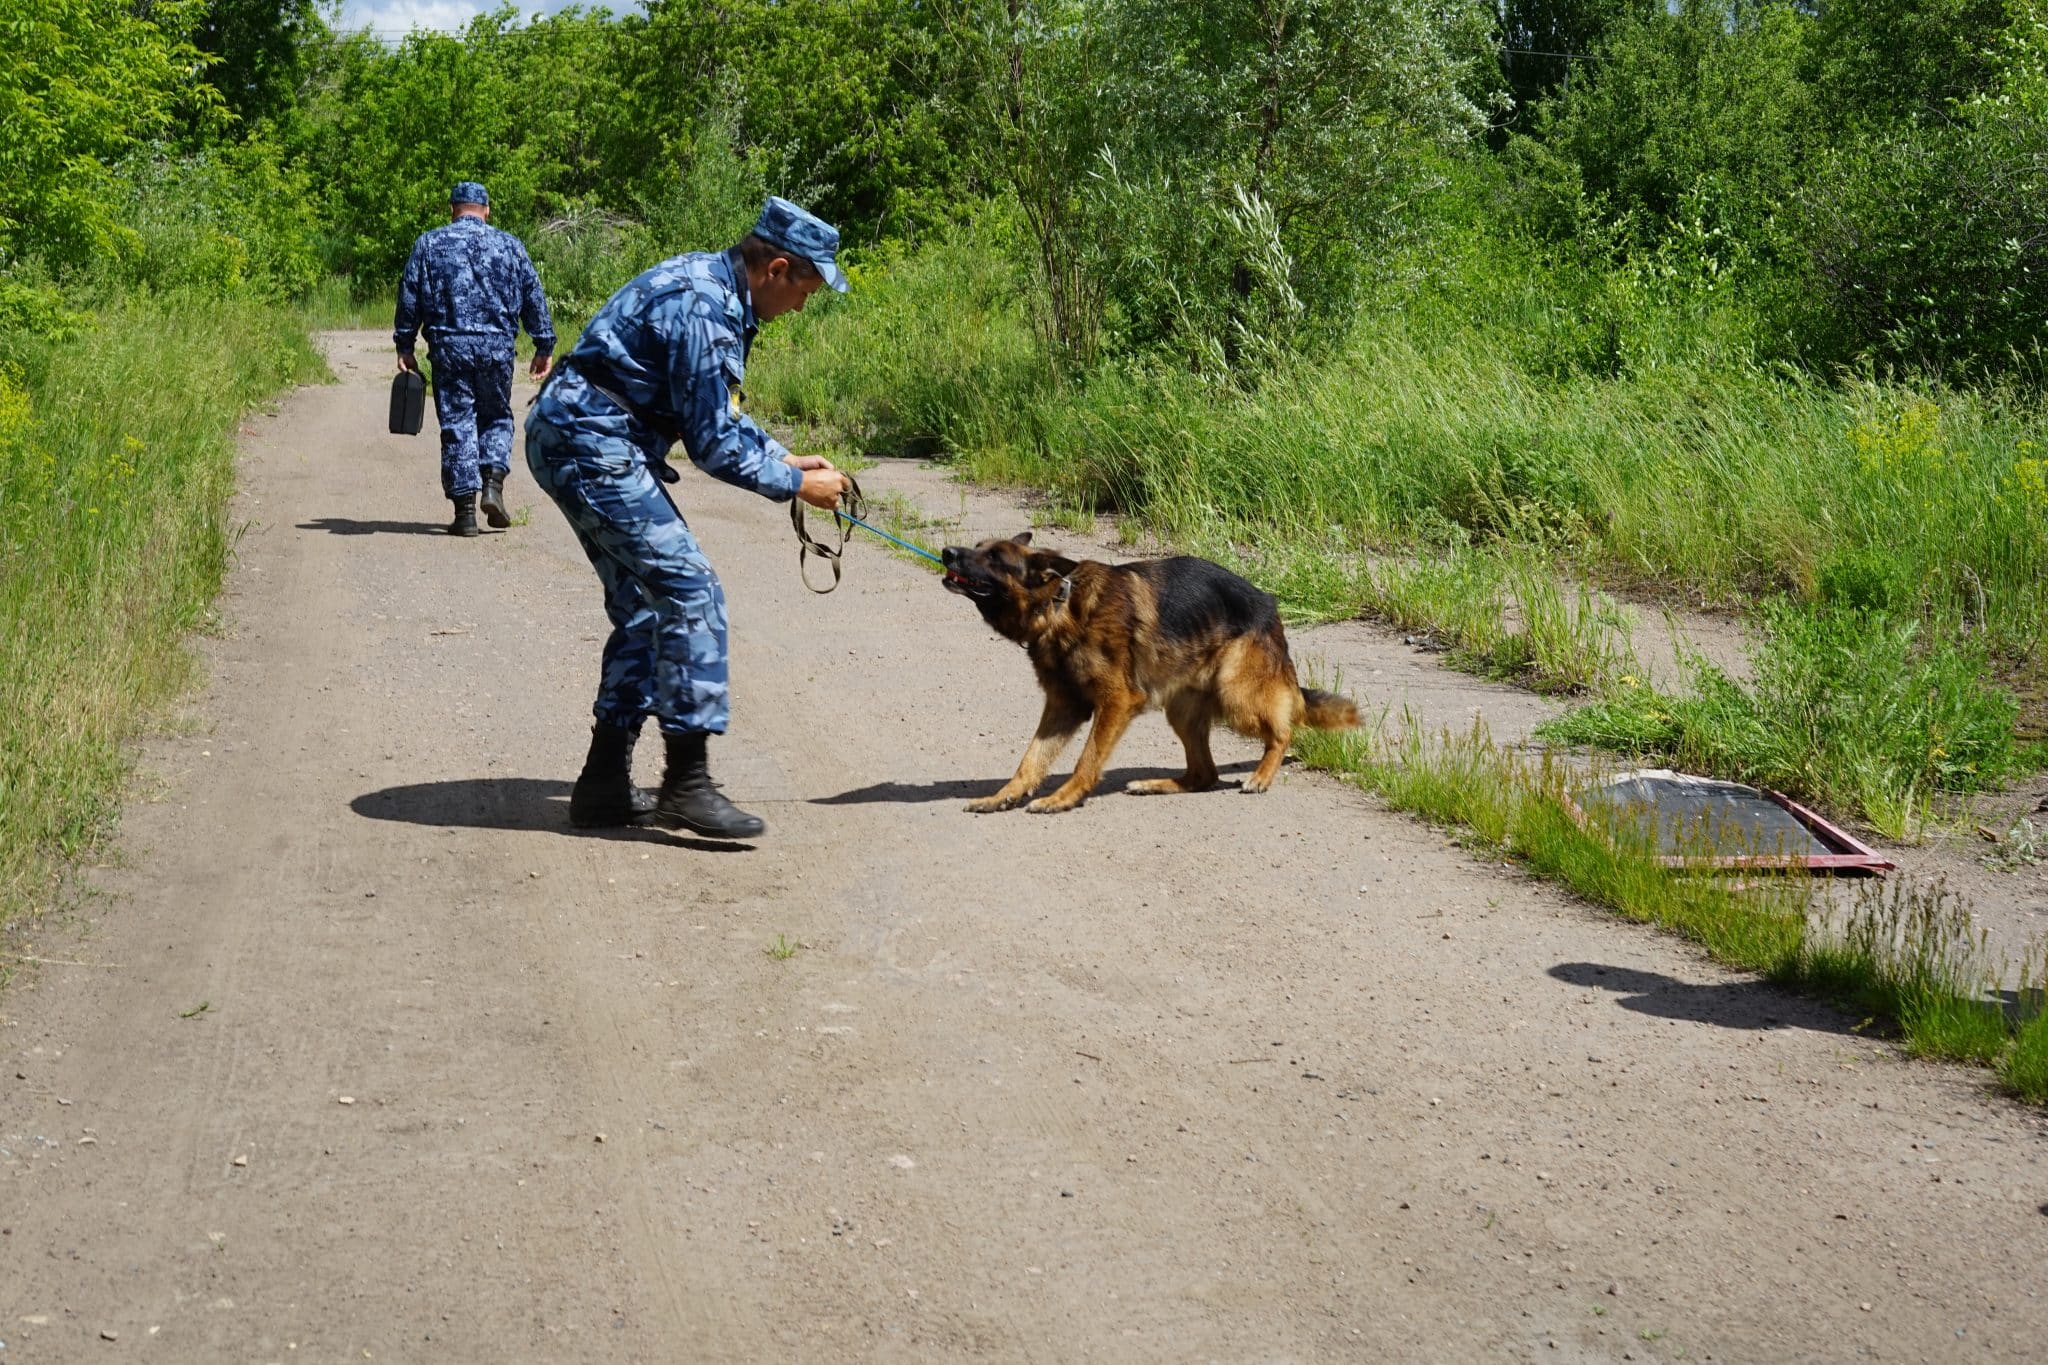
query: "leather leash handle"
856, 505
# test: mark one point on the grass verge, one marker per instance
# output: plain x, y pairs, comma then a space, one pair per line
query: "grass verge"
116, 459
2023, 1071
1852, 709
1905, 960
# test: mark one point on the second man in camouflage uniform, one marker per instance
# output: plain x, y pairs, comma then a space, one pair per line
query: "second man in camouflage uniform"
467, 287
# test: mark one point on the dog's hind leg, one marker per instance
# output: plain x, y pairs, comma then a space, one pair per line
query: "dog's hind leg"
1191, 716
1113, 715
1275, 725
1056, 725
1269, 762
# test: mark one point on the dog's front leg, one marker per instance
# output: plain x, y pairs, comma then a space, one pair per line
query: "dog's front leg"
1112, 718
1056, 725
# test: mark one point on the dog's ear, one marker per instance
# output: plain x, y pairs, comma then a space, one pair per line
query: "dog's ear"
1046, 566
1021, 538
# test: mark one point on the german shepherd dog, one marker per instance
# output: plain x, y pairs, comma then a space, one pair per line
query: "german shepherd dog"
1113, 640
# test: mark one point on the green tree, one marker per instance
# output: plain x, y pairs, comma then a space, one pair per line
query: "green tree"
1267, 151
1205, 179
392, 129
1879, 63
1034, 72
846, 95
1541, 41
81, 83
257, 48
1926, 248
1697, 114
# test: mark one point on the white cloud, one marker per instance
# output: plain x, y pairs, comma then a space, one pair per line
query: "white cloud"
395, 18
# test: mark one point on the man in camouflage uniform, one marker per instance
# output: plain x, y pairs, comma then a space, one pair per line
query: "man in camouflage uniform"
468, 286
662, 362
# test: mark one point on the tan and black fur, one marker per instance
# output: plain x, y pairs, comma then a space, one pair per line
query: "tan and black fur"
1111, 641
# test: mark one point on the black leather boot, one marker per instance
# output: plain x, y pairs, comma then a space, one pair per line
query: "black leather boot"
465, 515
689, 799
493, 500
604, 795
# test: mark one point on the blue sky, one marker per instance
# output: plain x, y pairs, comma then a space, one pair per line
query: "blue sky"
394, 18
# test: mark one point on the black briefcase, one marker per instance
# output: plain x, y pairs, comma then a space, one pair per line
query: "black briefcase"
408, 403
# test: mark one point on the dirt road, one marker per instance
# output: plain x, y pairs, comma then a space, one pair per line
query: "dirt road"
375, 1059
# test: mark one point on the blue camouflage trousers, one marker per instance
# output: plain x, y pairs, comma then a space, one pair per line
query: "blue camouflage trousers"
474, 406
666, 655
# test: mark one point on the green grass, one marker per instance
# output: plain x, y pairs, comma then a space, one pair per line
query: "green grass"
782, 948
1505, 614
332, 305
1909, 954
1905, 960
2023, 1071
116, 460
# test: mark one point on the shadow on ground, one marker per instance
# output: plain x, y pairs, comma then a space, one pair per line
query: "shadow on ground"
971, 789
521, 803
1726, 1004
348, 526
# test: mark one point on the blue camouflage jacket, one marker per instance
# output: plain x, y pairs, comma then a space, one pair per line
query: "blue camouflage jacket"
662, 362
468, 286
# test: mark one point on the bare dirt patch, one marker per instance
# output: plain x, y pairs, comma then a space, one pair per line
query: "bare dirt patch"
1284, 1077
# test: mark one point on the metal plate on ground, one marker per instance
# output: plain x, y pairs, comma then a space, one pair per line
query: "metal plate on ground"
1702, 822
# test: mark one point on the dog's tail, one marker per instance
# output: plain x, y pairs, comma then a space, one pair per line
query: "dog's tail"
1328, 711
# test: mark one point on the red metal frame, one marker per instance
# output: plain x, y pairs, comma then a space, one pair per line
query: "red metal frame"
1851, 854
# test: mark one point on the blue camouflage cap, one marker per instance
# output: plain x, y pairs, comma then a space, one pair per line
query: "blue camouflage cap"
469, 192
802, 233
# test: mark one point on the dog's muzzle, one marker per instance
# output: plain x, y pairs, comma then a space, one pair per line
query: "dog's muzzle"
966, 587
954, 580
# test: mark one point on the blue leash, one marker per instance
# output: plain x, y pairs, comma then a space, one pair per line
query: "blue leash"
916, 550
846, 516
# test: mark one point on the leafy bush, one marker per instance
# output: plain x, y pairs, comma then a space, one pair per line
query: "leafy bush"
1923, 249
1680, 103
222, 220
32, 306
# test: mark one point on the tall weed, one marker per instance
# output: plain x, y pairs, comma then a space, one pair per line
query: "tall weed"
116, 458
1856, 710
1908, 954
930, 351
2023, 1071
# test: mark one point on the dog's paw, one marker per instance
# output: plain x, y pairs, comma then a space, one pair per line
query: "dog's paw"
1252, 786
1052, 805
993, 803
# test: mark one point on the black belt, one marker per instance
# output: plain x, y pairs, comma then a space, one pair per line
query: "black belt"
594, 378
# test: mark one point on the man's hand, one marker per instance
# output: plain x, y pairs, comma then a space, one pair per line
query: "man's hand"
541, 366
807, 462
408, 363
822, 483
